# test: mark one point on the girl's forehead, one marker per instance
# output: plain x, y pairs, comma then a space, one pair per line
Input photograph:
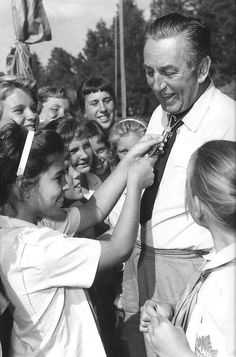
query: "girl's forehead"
97, 95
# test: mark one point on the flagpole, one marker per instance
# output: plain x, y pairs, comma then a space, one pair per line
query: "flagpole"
122, 61
116, 64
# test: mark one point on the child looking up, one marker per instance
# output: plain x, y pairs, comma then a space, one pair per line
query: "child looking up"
98, 139
75, 137
210, 323
124, 135
55, 103
44, 273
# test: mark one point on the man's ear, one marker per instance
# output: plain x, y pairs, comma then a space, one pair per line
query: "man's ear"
203, 69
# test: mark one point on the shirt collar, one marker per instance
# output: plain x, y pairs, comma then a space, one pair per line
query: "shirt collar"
194, 117
215, 259
197, 113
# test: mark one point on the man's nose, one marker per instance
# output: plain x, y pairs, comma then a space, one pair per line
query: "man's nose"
158, 83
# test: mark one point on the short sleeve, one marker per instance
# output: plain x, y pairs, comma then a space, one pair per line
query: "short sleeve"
54, 260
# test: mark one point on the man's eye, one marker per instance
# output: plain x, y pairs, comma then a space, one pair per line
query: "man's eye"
18, 111
169, 74
72, 152
149, 72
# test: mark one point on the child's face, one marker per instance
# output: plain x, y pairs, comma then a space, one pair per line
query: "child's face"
48, 195
100, 106
125, 144
101, 153
81, 154
74, 191
54, 108
21, 108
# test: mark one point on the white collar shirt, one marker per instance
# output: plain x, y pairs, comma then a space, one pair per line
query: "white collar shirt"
171, 227
44, 274
211, 329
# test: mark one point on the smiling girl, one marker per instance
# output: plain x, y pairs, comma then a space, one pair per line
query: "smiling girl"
97, 101
45, 273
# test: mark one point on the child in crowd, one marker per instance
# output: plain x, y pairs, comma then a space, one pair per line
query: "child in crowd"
98, 139
75, 137
54, 102
18, 102
207, 312
96, 100
45, 273
123, 136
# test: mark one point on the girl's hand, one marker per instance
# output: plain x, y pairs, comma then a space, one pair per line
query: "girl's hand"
142, 147
141, 173
151, 309
168, 340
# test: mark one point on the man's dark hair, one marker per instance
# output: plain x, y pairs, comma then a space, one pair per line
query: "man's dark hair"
197, 34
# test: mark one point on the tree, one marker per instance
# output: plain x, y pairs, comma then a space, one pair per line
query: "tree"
61, 69
38, 70
220, 17
139, 100
98, 54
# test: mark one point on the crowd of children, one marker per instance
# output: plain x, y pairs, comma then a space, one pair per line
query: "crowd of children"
66, 175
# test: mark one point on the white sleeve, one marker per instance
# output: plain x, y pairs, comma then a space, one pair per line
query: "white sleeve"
55, 260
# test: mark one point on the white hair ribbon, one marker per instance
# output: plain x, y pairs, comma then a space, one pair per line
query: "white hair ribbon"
25, 153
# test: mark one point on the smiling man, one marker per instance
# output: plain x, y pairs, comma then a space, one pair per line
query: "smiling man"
191, 111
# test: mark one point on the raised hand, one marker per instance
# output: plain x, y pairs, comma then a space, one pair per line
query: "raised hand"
141, 173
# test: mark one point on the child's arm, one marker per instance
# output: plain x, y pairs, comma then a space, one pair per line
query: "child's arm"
120, 246
105, 197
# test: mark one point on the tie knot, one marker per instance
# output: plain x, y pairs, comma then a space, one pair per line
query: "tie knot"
173, 119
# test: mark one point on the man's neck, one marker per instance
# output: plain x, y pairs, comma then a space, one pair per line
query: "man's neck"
203, 87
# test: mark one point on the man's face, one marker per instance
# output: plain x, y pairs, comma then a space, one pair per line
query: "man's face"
173, 83
21, 108
54, 108
100, 106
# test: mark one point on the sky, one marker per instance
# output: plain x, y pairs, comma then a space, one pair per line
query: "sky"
69, 21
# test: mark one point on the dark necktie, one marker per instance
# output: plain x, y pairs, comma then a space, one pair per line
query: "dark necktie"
149, 196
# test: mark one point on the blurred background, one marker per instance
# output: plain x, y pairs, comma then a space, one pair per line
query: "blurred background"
85, 42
